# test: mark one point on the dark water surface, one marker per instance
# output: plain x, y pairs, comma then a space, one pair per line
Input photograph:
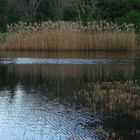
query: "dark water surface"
66, 96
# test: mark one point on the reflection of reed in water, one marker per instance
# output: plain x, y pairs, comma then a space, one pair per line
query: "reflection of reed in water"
113, 97
74, 54
120, 101
81, 72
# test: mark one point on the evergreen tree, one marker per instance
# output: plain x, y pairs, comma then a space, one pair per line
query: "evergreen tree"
4, 6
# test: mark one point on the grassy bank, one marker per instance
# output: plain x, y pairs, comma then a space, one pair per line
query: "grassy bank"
69, 36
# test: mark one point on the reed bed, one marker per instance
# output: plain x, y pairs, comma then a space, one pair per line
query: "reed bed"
69, 36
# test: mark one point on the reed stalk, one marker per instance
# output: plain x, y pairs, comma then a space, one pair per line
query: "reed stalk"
69, 36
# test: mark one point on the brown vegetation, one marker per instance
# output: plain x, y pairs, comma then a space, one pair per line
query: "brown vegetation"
69, 36
114, 96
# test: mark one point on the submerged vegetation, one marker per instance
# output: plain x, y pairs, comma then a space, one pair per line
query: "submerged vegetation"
70, 36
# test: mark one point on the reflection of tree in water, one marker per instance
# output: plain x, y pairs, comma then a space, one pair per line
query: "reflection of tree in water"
119, 102
8, 80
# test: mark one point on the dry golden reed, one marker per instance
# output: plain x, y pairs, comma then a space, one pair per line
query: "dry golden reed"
69, 36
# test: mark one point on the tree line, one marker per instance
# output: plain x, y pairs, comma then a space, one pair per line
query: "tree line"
119, 11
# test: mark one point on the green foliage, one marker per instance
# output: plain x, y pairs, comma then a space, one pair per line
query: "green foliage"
133, 17
3, 23
4, 6
112, 9
134, 4
40, 16
70, 14
15, 18
119, 11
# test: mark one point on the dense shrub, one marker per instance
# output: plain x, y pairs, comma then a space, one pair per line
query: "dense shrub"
133, 17
4, 6
70, 14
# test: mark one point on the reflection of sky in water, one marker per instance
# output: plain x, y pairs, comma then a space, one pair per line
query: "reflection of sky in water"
65, 61
27, 114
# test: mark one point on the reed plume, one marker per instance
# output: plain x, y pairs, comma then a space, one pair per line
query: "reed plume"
70, 36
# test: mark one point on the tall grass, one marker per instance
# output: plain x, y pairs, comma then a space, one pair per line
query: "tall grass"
2, 38
70, 36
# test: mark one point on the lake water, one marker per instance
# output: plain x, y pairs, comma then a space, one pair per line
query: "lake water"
69, 96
